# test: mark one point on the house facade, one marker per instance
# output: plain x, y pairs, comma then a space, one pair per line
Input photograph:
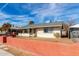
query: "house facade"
47, 30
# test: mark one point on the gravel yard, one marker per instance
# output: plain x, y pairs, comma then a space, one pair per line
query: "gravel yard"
44, 47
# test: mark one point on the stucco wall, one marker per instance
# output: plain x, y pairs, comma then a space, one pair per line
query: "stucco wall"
40, 33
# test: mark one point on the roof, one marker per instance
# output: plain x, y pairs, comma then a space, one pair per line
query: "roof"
15, 28
42, 25
75, 26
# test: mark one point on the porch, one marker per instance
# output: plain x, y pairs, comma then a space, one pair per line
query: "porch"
24, 32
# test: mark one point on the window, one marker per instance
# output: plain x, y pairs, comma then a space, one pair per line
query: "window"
47, 30
23, 31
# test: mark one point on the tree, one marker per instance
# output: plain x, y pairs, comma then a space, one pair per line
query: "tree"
31, 22
6, 26
71, 21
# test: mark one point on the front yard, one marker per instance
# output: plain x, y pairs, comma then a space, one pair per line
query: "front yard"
42, 47
63, 40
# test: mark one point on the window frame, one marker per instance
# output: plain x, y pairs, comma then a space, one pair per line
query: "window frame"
48, 30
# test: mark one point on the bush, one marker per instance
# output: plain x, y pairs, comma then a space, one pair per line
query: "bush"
57, 35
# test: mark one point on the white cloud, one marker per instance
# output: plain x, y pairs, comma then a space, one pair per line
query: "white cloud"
2, 15
18, 23
53, 9
3, 19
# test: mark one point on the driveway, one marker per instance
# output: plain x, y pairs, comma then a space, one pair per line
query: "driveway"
5, 53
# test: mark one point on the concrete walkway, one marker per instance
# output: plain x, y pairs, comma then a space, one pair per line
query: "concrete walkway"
4, 53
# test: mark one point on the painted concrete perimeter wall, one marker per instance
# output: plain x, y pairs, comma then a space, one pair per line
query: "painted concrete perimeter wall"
23, 34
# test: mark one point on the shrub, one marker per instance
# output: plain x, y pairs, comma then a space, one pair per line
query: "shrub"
57, 35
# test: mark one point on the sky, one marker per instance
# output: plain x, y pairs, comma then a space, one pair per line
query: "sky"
20, 14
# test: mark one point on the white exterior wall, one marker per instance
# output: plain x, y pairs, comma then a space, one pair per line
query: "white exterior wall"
23, 34
40, 33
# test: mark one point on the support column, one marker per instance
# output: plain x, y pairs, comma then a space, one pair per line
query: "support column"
69, 34
32, 32
23, 31
28, 32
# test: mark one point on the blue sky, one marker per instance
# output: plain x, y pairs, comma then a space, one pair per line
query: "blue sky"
21, 13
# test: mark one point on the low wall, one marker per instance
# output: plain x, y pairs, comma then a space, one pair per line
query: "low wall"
23, 34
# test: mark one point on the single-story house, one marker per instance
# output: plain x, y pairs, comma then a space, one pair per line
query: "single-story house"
74, 32
45, 30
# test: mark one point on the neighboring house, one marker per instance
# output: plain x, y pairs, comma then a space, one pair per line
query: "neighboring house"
74, 32
45, 30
